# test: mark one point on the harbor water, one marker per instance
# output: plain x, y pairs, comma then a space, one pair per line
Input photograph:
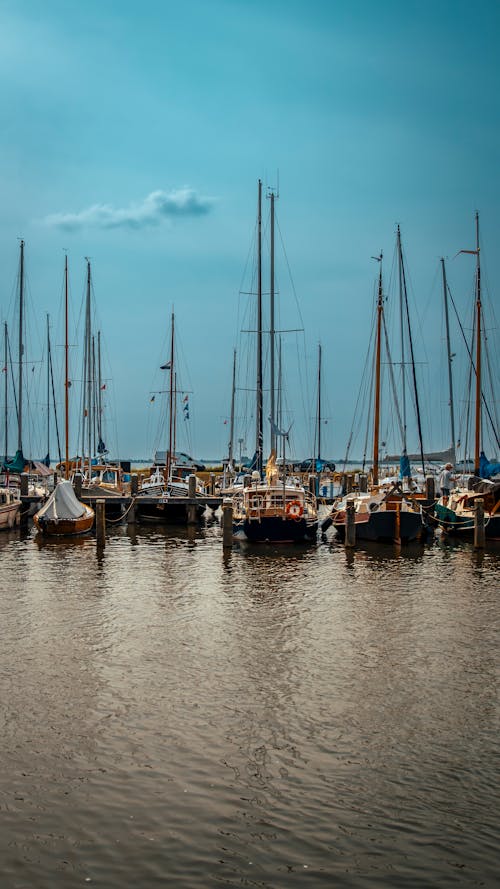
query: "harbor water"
174, 715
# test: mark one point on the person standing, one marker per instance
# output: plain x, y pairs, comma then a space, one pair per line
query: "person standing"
445, 480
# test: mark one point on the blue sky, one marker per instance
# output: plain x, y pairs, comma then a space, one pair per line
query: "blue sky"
135, 134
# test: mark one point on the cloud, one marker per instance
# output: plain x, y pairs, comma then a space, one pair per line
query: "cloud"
156, 207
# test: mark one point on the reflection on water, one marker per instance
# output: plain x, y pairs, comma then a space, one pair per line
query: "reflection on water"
179, 715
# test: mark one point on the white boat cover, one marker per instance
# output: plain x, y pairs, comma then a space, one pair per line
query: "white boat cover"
62, 503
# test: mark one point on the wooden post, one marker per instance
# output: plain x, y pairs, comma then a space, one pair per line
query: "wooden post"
430, 488
212, 483
479, 532
247, 481
397, 529
350, 524
363, 482
191, 509
134, 484
23, 488
348, 483
312, 485
77, 485
100, 521
227, 523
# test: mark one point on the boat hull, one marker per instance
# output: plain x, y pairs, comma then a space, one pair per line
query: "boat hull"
65, 527
165, 513
9, 515
462, 526
385, 526
276, 529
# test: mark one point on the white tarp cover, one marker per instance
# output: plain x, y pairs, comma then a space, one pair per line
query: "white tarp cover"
62, 503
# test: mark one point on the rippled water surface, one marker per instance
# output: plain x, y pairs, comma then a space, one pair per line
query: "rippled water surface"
175, 716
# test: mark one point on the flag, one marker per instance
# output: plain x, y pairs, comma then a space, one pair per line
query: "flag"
186, 407
85, 412
103, 386
225, 422
185, 398
152, 398
4, 370
186, 416
166, 366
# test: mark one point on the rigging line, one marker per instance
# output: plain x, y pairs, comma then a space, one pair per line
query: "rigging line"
473, 367
414, 373
393, 380
54, 403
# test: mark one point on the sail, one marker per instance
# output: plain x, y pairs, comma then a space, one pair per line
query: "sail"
62, 503
404, 466
487, 469
15, 465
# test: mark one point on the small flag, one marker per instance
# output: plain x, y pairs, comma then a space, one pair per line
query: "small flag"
186, 407
225, 422
166, 366
152, 398
186, 416
85, 412
103, 386
185, 398
4, 370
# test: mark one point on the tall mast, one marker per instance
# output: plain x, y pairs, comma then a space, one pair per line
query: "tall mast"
87, 414
448, 349
48, 389
319, 401
272, 331
477, 447
21, 351
99, 393
6, 390
171, 401
66, 371
231, 422
401, 324
259, 431
376, 416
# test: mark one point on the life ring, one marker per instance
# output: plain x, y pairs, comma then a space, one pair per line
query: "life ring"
294, 509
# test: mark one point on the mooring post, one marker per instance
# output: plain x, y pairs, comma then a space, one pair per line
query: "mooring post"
430, 488
23, 490
397, 529
247, 481
24, 484
348, 483
191, 508
77, 485
134, 484
227, 523
363, 482
312, 484
479, 532
350, 524
100, 521
134, 488
212, 484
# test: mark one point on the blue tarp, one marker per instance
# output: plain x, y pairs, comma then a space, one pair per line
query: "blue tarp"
487, 469
404, 466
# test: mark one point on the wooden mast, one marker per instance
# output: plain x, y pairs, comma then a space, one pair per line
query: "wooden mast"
231, 422
319, 401
477, 448
272, 332
6, 391
66, 371
171, 403
448, 348
48, 389
376, 417
259, 429
21, 351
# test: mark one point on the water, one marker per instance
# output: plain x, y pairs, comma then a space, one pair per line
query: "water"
271, 718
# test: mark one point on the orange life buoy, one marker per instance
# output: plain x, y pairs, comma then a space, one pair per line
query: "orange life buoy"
294, 509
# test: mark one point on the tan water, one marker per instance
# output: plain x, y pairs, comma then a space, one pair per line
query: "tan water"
174, 716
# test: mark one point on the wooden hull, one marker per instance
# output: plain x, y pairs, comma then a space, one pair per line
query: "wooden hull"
65, 527
165, 513
276, 529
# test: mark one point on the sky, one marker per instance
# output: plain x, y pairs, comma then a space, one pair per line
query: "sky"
135, 135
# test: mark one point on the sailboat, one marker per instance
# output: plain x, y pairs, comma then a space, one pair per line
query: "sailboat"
271, 509
456, 512
384, 513
63, 514
166, 486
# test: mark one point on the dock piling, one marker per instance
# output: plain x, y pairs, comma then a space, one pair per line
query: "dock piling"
227, 523
479, 532
350, 524
100, 521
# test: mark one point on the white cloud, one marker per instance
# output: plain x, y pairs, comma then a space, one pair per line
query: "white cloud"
156, 207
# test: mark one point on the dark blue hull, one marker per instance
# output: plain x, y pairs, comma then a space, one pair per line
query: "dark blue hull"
383, 527
276, 529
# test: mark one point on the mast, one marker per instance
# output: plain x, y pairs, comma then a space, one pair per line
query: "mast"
231, 423
477, 447
171, 402
319, 401
448, 349
87, 376
376, 415
272, 331
6, 390
66, 370
99, 394
259, 430
48, 390
413, 370
20, 351
401, 324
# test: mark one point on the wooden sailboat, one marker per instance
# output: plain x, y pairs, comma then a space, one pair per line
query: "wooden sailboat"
63, 514
272, 509
383, 513
160, 498
456, 513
